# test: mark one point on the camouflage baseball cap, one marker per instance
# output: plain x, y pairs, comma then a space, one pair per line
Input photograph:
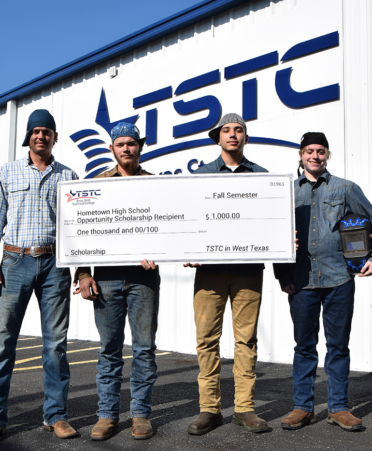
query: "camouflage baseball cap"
227, 119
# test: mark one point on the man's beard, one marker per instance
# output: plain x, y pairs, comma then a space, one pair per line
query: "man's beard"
130, 165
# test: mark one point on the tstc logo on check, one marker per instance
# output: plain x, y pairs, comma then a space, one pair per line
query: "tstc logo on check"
83, 195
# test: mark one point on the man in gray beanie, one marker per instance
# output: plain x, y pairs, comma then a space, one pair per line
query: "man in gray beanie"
214, 284
28, 204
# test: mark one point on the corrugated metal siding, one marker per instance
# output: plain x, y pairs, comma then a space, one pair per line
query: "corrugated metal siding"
176, 326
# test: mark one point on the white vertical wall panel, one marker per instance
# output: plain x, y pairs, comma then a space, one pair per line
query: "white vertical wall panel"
357, 22
253, 29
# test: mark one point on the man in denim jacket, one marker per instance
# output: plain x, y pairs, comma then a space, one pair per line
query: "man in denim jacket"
319, 278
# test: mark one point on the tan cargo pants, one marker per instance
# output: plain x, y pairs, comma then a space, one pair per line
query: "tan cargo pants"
211, 292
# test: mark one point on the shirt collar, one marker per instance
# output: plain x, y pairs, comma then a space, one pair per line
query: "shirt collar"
325, 176
29, 162
245, 162
115, 172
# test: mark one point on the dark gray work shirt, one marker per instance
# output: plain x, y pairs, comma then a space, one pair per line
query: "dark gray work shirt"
216, 167
319, 209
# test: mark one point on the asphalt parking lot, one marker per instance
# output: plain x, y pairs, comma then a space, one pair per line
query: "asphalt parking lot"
175, 405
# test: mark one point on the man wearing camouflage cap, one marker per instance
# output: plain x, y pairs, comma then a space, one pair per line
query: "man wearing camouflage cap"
116, 291
214, 284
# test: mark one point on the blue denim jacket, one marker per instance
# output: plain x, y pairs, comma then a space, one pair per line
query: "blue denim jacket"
248, 269
320, 262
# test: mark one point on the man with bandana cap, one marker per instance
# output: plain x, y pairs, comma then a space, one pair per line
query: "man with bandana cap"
28, 205
214, 284
116, 292
320, 278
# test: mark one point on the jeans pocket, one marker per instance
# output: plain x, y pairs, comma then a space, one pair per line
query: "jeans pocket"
10, 259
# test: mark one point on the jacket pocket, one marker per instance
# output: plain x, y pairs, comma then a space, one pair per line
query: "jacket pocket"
332, 209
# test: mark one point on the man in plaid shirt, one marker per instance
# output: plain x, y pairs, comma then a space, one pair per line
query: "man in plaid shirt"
28, 225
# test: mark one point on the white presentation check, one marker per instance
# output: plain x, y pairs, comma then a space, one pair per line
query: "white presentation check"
206, 218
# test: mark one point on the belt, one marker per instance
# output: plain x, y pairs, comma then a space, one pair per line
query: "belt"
34, 251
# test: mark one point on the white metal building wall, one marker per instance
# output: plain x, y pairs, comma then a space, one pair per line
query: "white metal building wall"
357, 23
350, 145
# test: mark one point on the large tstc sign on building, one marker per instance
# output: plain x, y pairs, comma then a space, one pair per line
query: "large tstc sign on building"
282, 78
99, 156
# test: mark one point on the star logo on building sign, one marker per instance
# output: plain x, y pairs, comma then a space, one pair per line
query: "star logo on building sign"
98, 155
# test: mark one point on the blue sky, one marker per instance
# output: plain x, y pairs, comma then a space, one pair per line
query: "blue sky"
39, 36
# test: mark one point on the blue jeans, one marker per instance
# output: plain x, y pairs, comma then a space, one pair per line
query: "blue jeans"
23, 274
338, 306
135, 291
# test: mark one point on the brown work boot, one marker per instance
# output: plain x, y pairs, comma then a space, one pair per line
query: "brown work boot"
103, 429
250, 421
346, 421
205, 422
298, 419
2, 431
141, 428
62, 430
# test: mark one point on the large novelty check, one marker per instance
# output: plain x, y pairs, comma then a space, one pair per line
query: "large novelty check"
206, 218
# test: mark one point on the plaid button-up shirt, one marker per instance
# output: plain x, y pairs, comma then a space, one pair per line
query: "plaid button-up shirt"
28, 202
